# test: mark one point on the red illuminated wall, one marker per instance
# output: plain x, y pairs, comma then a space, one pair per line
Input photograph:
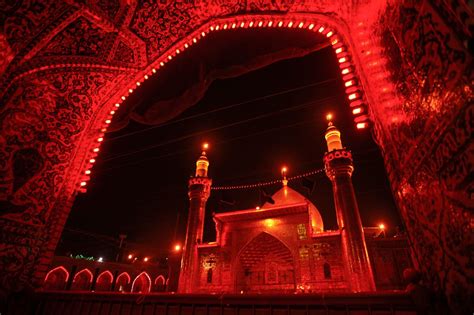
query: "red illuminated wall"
274, 251
64, 65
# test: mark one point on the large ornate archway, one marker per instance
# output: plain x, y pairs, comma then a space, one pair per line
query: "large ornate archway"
67, 64
265, 264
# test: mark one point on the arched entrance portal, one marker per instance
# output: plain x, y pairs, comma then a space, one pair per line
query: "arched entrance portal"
265, 265
57, 97
56, 279
141, 284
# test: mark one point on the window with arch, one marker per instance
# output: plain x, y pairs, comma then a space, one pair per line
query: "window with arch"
104, 281
122, 282
82, 280
142, 283
56, 279
327, 271
160, 284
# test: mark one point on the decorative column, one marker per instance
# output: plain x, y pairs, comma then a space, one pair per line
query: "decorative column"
199, 189
339, 168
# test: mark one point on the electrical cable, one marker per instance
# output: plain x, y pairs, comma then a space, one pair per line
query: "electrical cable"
139, 161
324, 100
222, 109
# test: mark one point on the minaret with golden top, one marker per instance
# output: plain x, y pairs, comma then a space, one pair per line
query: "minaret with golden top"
199, 188
339, 167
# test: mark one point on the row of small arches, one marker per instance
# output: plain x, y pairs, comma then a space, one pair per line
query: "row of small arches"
57, 279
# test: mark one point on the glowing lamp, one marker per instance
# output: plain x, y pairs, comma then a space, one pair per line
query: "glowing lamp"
145, 76
257, 208
329, 34
177, 248
321, 29
178, 51
203, 34
361, 125
342, 60
100, 139
270, 23
170, 57
130, 256
162, 63
145, 259
112, 112
349, 83
130, 90
353, 96
92, 161
123, 98
280, 24
195, 40
346, 71
269, 222
108, 121
311, 26
83, 184
233, 25
329, 117
205, 146
87, 172
290, 24
101, 259
382, 226
250, 24
357, 110
300, 25
96, 150
225, 26
260, 24
242, 24
153, 70
284, 169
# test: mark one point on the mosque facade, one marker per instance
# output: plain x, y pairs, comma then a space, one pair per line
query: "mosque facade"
284, 248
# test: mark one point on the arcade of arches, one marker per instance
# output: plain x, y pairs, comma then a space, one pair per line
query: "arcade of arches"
65, 64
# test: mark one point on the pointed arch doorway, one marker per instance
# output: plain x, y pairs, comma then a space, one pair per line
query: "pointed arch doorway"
265, 265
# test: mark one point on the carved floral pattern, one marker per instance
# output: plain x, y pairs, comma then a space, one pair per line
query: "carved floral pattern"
81, 38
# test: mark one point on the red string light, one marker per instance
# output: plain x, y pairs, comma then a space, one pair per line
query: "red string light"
269, 183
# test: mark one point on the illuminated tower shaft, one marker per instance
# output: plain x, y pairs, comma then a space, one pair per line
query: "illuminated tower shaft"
339, 168
198, 192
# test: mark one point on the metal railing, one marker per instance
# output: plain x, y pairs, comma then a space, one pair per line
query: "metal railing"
79, 303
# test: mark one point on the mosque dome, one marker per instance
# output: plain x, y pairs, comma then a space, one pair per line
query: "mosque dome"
288, 196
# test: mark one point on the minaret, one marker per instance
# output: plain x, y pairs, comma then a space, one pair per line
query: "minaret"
339, 168
199, 188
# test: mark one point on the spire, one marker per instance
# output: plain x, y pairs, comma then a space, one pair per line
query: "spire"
332, 135
284, 170
202, 164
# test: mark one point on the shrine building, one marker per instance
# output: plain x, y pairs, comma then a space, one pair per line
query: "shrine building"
283, 247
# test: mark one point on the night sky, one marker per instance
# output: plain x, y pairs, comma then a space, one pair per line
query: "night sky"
278, 118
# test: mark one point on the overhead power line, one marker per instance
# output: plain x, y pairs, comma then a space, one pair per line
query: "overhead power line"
192, 135
222, 109
139, 161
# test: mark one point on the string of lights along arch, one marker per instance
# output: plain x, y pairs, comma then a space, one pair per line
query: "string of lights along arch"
351, 80
269, 183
